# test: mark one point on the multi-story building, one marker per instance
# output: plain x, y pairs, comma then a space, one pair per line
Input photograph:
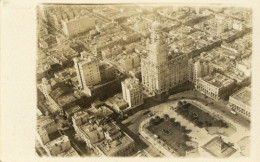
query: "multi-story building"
132, 92
87, 70
160, 71
116, 142
240, 102
58, 146
48, 124
107, 72
91, 134
197, 69
79, 118
216, 86
77, 25
45, 127
129, 62
46, 87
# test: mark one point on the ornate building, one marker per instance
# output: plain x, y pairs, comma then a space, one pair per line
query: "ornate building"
162, 71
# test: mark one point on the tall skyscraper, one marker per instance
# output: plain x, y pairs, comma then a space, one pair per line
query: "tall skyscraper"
162, 71
87, 71
154, 68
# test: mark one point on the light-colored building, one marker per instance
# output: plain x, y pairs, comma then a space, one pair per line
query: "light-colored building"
46, 87
197, 69
77, 25
116, 142
87, 70
91, 134
118, 104
58, 146
124, 146
79, 118
216, 86
45, 126
47, 123
240, 102
161, 71
132, 92
129, 62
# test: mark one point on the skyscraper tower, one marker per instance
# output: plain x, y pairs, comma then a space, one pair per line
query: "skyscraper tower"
154, 68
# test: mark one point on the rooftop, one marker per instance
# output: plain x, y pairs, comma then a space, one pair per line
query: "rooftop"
80, 114
94, 133
72, 110
131, 83
110, 148
62, 101
58, 141
41, 122
243, 95
218, 80
70, 153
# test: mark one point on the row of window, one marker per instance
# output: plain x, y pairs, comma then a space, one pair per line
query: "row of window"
240, 110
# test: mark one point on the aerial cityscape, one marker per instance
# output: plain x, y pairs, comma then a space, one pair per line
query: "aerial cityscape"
143, 80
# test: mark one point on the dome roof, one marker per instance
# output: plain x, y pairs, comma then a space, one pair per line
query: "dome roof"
156, 25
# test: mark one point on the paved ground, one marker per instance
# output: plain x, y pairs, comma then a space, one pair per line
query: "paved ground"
201, 135
219, 106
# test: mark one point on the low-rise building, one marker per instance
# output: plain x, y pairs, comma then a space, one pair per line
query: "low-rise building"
124, 146
216, 86
129, 62
240, 102
71, 111
118, 104
79, 118
58, 146
91, 134
116, 142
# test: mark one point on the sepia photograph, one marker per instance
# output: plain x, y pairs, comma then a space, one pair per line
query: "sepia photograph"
143, 80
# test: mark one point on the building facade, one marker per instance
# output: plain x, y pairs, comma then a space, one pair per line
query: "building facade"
240, 102
161, 71
58, 146
197, 69
87, 70
132, 92
216, 86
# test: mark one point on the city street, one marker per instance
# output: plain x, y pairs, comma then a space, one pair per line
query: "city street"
219, 106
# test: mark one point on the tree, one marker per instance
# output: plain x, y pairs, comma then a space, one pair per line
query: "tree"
178, 124
180, 103
172, 120
166, 116
157, 118
200, 124
152, 121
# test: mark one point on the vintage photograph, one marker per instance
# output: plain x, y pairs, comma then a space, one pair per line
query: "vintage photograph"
143, 80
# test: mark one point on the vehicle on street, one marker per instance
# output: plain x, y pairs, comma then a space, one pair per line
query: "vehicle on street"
233, 112
147, 112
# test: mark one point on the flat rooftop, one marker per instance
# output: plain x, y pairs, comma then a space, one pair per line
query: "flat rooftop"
109, 149
218, 80
243, 95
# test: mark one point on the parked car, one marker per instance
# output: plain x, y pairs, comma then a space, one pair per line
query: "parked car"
147, 112
233, 112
